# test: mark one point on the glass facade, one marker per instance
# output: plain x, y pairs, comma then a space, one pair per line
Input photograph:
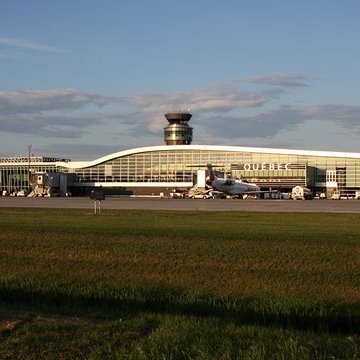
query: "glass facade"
15, 176
265, 169
179, 164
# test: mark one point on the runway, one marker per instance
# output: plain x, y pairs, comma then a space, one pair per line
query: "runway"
113, 203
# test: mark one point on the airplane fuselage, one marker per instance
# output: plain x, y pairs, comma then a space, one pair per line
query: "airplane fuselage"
234, 187
231, 186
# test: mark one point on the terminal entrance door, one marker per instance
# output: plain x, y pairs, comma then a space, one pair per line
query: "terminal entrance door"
331, 183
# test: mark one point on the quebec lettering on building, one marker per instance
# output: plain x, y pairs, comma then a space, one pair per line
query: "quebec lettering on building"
267, 166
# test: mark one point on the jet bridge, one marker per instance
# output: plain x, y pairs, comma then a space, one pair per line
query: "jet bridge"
47, 184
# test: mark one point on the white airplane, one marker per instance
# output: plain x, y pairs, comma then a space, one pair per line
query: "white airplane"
231, 186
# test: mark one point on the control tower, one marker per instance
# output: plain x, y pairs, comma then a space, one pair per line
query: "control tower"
178, 132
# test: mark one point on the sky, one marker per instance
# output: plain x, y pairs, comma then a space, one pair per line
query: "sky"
84, 78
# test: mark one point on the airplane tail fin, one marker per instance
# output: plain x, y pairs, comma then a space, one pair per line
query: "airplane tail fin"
211, 172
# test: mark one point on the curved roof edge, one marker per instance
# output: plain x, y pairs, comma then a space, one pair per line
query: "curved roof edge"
85, 164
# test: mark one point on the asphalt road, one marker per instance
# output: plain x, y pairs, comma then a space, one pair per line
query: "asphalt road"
334, 206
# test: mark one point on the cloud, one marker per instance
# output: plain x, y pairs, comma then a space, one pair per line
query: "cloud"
345, 115
54, 112
279, 79
34, 101
61, 112
217, 99
48, 125
220, 98
216, 102
85, 151
70, 113
270, 123
27, 44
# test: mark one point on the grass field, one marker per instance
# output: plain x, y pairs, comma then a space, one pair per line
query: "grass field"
163, 284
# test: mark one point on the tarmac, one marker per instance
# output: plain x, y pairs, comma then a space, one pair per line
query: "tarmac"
117, 203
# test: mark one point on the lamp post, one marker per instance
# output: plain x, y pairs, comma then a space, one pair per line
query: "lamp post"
29, 151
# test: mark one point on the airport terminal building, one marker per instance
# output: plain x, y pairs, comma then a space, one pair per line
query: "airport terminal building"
178, 163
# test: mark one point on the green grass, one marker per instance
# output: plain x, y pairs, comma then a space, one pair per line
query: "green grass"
151, 336
210, 284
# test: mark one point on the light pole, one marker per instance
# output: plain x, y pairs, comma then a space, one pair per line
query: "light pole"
29, 151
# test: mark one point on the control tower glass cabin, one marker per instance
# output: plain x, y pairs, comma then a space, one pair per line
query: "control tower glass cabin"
178, 132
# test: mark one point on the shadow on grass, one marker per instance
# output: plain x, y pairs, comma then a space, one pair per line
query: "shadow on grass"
264, 311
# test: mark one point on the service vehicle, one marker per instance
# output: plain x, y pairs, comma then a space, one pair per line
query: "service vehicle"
336, 195
301, 193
